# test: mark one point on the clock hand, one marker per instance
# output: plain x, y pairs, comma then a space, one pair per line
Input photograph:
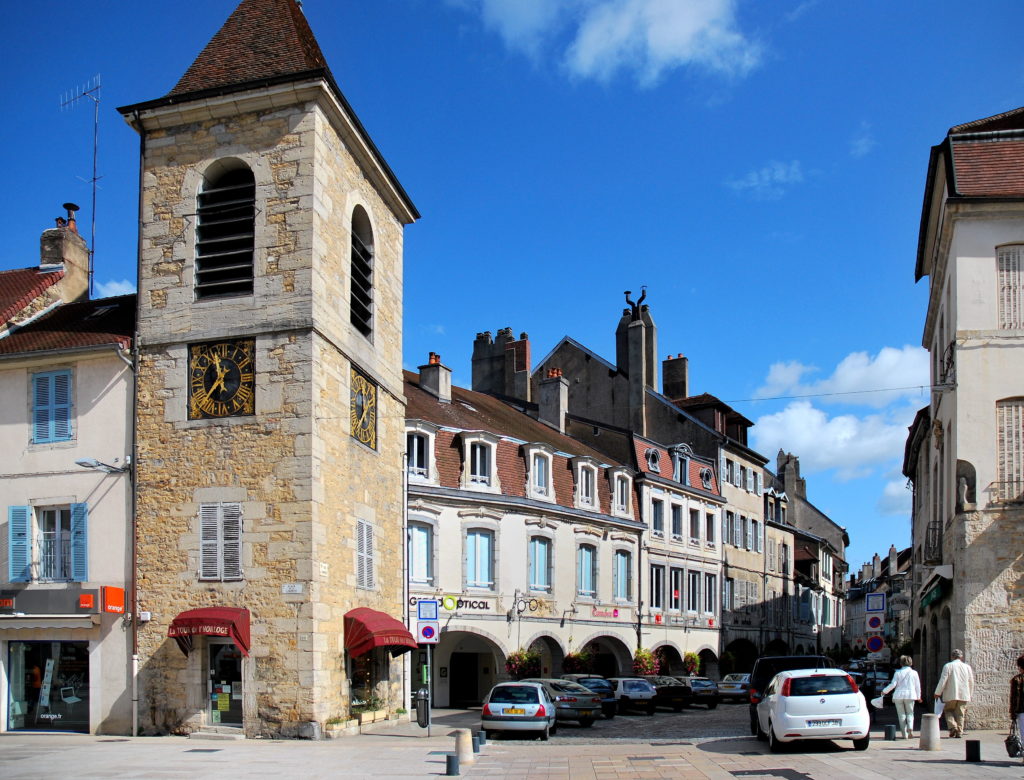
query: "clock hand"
221, 373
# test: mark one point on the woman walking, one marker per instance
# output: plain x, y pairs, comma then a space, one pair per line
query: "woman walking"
906, 687
1017, 696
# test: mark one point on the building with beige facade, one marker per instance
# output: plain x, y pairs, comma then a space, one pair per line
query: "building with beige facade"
65, 568
965, 451
271, 414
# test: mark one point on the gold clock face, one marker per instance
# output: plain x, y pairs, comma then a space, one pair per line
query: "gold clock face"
363, 409
222, 379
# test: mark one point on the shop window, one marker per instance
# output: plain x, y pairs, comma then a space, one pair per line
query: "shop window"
48, 686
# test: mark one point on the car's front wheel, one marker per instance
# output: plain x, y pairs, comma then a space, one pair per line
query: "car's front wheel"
862, 744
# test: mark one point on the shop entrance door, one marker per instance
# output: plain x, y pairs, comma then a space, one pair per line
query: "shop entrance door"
225, 684
464, 683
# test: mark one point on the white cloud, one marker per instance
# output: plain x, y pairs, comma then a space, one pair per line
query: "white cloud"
771, 181
863, 141
859, 378
599, 38
114, 287
895, 498
854, 446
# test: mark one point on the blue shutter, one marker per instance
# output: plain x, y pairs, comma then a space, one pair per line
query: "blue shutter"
79, 542
41, 408
51, 407
18, 547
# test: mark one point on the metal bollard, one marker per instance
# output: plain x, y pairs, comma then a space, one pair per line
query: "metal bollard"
451, 765
973, 749
929, 732
890, 733
476, 743
483, 738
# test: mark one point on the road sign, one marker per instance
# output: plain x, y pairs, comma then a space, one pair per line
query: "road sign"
426, 609
428, 632
875, 644
874, 602
874, 622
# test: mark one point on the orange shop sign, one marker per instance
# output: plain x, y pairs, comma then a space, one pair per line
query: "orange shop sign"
112, 599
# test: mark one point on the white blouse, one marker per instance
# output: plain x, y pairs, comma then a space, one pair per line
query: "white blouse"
906, 682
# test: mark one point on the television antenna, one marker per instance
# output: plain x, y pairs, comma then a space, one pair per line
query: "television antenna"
90, 90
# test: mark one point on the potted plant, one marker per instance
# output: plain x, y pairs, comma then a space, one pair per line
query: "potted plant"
369, 710
645, 662
577, 663
523, 663
691, 662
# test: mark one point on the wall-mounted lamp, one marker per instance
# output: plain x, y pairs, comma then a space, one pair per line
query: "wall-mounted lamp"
106, 468
565, 612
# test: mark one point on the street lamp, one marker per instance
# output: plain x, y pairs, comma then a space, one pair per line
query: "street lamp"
106, 468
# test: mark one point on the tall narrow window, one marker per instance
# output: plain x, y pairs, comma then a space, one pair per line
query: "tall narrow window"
416, 447
677, 522
51, 407
1010, 263
709, 529
728, 594
479, 463
364, 554
657, 594
225, 232
540, 564
479, 559
48, 544
658, 517
586, 571
710, 593
421, 554
220, 531
755, 535
676, 580
541, 477
693, 591
622, 589
694, 525
1010, 449
361, 295
585, 488
621, 494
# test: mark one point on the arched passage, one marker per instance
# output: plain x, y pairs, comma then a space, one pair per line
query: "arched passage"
776, 647
551, 655
709, 666
465, 667
739, 656
671, 659
609, 656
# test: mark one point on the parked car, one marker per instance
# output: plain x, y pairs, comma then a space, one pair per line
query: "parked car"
670, 691
813, 704
634, 693
572, 700
518, 706
766, 667
600, 686
702, 691
735, 686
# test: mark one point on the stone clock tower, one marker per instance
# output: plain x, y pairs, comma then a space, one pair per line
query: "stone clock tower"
270, 410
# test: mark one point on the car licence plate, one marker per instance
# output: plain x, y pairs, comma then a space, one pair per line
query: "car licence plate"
584, 713
515, 711
811, 724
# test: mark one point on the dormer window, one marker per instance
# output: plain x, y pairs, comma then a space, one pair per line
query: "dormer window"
539, 472
681, 464
419, 448
586, 483
479, 461
653, 460
621, 490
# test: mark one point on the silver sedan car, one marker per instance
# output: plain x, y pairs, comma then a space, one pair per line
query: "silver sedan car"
518, 706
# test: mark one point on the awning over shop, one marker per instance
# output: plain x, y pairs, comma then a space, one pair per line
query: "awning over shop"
231, 622
367, 628
32, 622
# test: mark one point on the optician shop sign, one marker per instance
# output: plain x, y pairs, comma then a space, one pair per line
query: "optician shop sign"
452, 603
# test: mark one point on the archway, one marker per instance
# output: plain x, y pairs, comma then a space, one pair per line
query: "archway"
609, 656
739, 656
776, 647
466, 665
671, 660
551, 655
708, 664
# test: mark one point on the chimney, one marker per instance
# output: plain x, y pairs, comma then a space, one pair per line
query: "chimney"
893, 560
436, 378
62, 248
553, 399
675, 377
876, 566
501, 366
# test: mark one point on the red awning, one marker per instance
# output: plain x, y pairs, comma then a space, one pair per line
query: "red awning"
367, 628
231, 622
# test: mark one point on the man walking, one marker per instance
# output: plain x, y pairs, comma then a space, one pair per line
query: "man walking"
956, 684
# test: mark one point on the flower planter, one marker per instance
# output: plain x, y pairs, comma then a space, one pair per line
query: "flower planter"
345, 728
372, 716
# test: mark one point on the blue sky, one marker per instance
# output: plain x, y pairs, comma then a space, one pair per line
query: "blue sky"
758, 165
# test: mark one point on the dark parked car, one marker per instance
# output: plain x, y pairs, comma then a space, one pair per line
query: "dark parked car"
702, 691
670, 691
600, 686
765, 669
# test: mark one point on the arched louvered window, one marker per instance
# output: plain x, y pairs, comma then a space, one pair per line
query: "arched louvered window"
225, 231
361, 296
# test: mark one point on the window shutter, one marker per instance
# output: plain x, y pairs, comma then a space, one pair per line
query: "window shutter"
62, 406
750, 481
19, 557
231, 541
209, 541
79, 542
737, 531
364, 554
41, 400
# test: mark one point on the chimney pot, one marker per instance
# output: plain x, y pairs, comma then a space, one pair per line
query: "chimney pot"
436, 378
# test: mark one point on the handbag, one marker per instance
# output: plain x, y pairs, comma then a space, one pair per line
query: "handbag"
1013, 746
878, 702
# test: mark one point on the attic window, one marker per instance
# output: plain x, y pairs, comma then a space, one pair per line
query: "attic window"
99, 312
225, 233
653, 459
705, 478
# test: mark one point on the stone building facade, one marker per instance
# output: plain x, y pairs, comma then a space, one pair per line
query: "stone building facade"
270, 402
965, 451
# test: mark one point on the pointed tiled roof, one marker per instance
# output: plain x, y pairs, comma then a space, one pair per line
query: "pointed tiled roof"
106, 321
262, 39
1008, 120
18, 288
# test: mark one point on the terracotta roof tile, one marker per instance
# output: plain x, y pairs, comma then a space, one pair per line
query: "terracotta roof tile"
261, 39
1008, 120
989, 168
107, 321
18, 288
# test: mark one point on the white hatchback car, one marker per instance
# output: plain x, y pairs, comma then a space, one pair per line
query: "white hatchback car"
813, 704
518, 706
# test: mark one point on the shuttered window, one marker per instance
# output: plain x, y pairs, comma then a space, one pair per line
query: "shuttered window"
51, 407
226, 234
1010, 265
1010, 449
220, 532
361, 293
19, 547
364, 555
49, 545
